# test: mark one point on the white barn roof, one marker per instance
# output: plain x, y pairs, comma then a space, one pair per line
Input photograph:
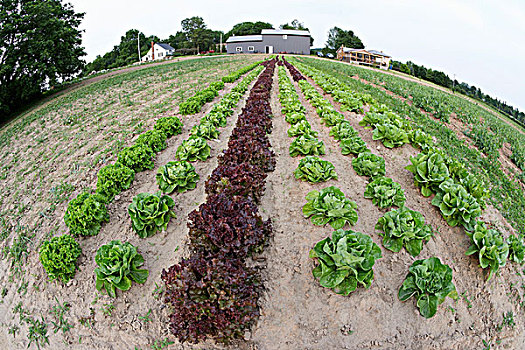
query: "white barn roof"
284, 32
241, 38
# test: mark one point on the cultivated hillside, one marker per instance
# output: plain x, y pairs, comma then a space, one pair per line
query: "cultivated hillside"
50, 156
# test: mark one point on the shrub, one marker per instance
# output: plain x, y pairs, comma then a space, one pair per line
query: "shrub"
117, 265
385, 193
429, 171
193, 149
154, 139
85, 214
229, 225
490, 246
369, 164
59, 257
404, 227
457, 206
330, 206
113, 179
177, 176
345, 260
150, 213
137, 157
430, 282
306, 145
170, 126
211, 297
314, 169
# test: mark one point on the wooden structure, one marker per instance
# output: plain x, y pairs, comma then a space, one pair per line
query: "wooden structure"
372, 58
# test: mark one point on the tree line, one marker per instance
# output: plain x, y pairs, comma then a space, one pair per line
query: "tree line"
41, 48
442, 79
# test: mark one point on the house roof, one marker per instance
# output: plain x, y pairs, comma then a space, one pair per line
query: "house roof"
375, 52
285, 32
165, 46
347, 49
241, 38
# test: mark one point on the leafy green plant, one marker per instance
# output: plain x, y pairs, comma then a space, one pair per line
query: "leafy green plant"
345, 260
430, 282
391, 135
353, 145
385, 193
404, 227
170, 126
369, 164
177, 176
330, 206
294, 117
205, 130
113, 179
516, 248
301, 128
490, 246
420, 139
457, 206
137, 157
429, 171
85, 214
193, 149
314, 169
343, 130
216, 118
150, 212
118, 265
154, 139
59, 257
306, 145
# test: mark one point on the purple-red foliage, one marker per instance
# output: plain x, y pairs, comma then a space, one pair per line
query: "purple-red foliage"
227, 224
296, 75
247, 150
211, 297
237, 179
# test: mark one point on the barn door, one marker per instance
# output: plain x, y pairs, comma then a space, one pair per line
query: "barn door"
269, 49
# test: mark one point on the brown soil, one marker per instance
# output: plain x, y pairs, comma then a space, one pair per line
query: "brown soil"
296, 312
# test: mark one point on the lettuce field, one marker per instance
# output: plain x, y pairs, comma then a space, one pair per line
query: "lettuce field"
261, 202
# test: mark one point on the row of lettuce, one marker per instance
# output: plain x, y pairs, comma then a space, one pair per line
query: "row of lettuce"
459, 195
345, 260
214, 292
118, 262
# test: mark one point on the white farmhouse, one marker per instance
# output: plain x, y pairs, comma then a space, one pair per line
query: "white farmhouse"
158, 51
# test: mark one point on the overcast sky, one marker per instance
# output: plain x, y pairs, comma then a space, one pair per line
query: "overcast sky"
482, 42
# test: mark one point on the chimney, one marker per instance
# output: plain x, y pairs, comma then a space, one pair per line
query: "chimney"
152, 51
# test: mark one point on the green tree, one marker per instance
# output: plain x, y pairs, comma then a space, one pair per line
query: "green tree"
296, 25
347, 38
196, 32
247, 28
40, 46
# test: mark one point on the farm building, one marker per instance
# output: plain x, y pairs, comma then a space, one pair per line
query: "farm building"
271, 41
366, 57
158, 51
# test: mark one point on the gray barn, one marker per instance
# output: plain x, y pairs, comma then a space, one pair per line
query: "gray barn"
271, 41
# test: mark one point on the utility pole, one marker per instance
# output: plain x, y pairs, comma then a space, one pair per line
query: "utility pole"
220, 45
453, 83
138, 45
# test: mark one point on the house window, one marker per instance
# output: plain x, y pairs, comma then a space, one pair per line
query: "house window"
238, 49
285, 37
251, 48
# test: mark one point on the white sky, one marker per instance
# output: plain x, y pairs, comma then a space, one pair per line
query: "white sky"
481, 41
